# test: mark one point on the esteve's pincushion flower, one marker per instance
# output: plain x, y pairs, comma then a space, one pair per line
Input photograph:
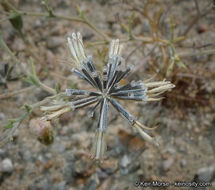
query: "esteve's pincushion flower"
108, 91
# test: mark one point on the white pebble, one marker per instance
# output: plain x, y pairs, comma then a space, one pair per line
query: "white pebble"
6, 165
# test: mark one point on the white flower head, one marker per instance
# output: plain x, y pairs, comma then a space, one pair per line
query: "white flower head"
108, 91
76, 47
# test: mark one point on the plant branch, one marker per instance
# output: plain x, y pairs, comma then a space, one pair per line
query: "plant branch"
196, 19
51, 14
40, 84
16, 123
47, 88
14, 93
203, 52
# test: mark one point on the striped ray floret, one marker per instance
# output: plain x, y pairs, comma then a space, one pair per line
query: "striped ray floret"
108, 91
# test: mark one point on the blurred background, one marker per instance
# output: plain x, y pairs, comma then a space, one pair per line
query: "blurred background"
168, 39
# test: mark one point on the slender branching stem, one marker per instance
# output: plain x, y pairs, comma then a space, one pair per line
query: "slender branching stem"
14, 93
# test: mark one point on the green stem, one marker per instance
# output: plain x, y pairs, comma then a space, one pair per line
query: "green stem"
7, 49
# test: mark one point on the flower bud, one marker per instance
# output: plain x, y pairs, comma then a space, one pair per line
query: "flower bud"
42, 130
99, 146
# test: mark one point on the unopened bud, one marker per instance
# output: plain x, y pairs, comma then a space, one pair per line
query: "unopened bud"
99, 147
42, 130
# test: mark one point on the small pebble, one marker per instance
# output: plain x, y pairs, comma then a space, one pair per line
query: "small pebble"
2, 152
201, 28
145, 26
183, 163
124, 165
125, 161
206, 174
54, 42
2, 116
61, 185
166, 164
6, 165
